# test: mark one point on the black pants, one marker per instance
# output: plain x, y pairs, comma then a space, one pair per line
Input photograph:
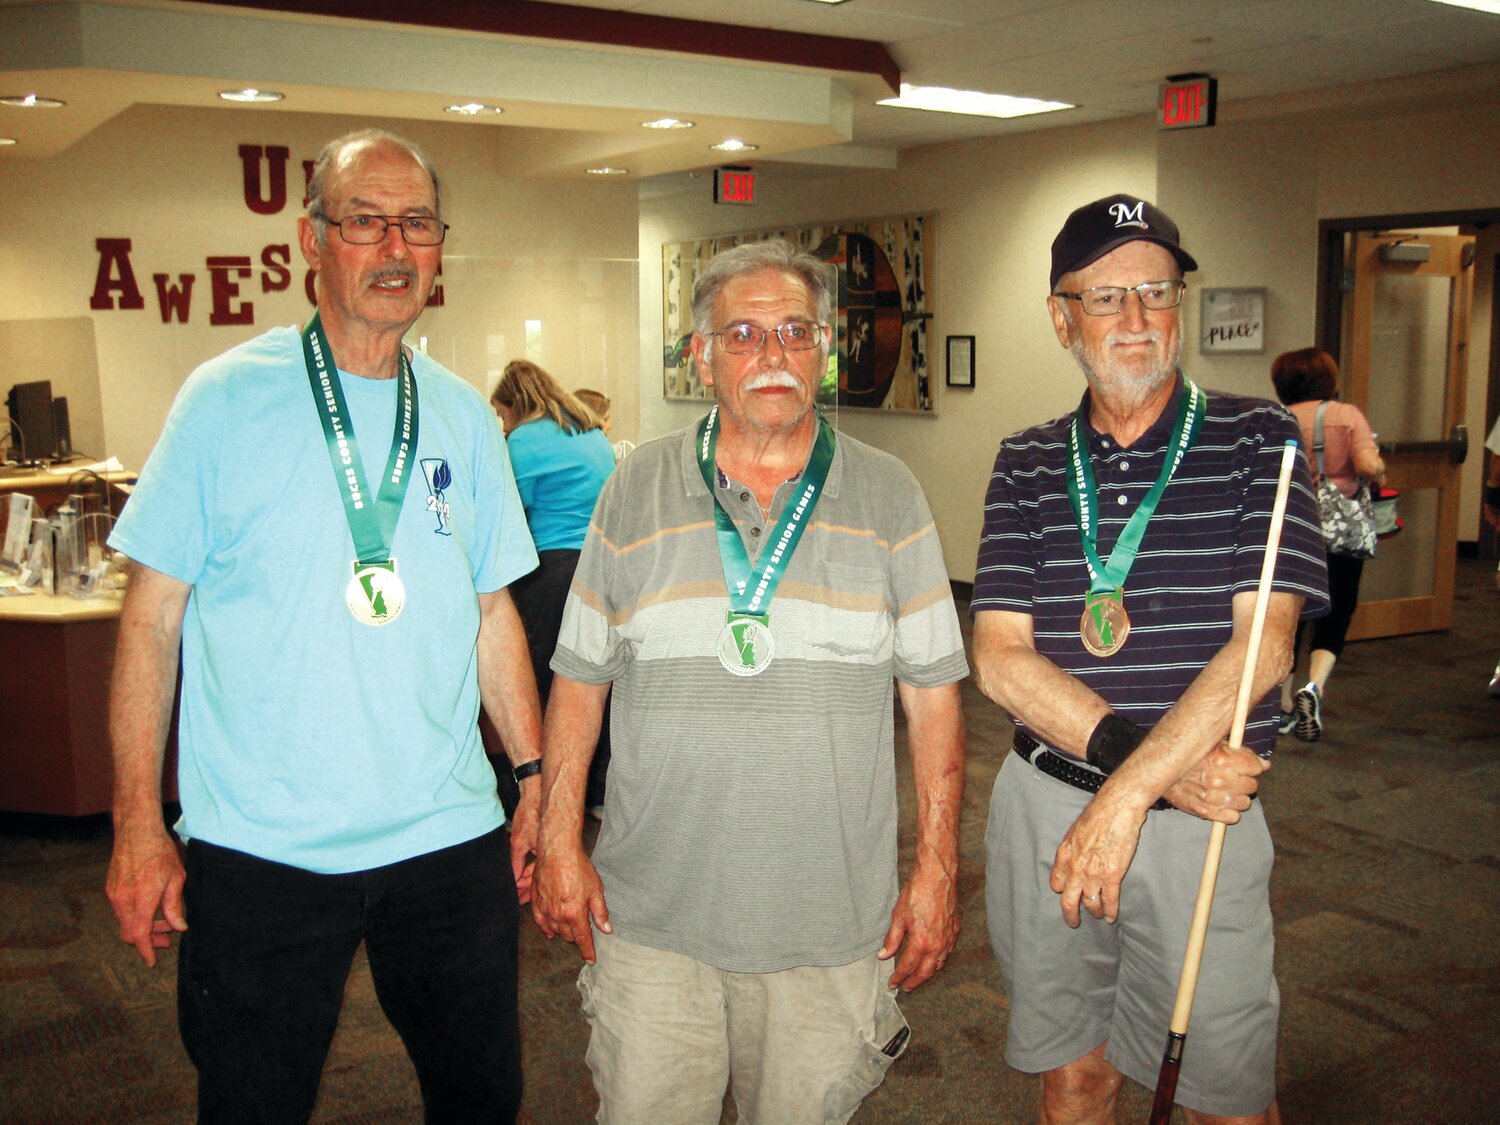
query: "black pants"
262, 967
539, 598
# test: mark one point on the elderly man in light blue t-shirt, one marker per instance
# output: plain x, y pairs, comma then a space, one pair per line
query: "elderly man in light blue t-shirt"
328, 526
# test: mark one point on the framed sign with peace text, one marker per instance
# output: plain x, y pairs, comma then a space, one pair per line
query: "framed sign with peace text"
1232, 321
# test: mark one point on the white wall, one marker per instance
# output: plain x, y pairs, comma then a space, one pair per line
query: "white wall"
998, 205
170, 180
1247, 195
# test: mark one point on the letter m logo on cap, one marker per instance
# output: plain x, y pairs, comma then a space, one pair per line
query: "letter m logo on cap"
1127, 216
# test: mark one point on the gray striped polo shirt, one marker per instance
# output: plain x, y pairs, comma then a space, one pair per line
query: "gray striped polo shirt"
750, 822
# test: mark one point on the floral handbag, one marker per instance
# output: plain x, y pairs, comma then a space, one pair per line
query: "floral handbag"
1348, 522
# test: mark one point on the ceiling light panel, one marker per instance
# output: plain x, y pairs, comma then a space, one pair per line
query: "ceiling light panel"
940, 99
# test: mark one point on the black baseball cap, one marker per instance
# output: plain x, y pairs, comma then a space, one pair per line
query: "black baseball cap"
1096, 228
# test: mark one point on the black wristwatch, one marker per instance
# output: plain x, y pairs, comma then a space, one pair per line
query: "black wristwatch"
526, 769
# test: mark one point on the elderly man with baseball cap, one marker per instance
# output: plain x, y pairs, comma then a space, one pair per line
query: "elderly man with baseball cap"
1112, 603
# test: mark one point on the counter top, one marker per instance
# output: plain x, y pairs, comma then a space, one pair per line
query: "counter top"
57, 609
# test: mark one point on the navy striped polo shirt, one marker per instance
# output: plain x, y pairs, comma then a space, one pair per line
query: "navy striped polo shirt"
1204, 544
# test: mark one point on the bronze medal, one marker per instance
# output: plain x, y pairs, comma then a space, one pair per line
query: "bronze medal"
1105, 624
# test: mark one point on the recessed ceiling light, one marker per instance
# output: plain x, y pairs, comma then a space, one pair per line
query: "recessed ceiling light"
473, 109
940, 99
30, 101
667, 123
251, 94
1491, 6
7, 141
733, 145
608, 171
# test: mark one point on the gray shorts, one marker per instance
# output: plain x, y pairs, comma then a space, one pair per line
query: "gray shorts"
1071, 990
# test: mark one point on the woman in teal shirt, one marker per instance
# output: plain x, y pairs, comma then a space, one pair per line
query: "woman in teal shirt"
561, 458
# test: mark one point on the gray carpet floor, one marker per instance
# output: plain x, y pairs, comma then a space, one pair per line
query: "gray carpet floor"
1386, 892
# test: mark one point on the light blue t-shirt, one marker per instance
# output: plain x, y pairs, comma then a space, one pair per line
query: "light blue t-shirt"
306, 737
559, 475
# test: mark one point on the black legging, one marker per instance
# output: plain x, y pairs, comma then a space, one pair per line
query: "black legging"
1343, 597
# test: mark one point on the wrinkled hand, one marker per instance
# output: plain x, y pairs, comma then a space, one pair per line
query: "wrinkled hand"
523, 835
926, 920
1220, 785
565, 892
145, 889
1094, 856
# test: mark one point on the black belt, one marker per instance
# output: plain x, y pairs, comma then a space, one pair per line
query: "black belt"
1056, 766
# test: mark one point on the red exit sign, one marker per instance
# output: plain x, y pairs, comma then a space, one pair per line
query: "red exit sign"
734, 185
1187, 103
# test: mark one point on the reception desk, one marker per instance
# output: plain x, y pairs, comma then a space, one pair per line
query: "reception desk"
54, 705
49, 487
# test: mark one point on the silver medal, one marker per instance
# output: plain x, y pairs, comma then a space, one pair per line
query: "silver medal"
375, 595
745, 646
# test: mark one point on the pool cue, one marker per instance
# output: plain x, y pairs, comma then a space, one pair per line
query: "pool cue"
1171, 1061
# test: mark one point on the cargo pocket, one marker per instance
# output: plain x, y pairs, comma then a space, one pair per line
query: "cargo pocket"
879, 1046
586, 991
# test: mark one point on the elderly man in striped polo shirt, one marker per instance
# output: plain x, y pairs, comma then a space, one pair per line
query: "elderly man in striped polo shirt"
1112, 604
751, 586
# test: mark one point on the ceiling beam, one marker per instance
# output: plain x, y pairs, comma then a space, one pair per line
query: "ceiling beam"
570, 23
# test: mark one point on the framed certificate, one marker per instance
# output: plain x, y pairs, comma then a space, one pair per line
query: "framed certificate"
960, 369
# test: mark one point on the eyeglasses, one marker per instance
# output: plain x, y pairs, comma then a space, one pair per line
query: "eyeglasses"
1106, 300
747, 339
367, 230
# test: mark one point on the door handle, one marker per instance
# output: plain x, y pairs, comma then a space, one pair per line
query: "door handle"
1456, 446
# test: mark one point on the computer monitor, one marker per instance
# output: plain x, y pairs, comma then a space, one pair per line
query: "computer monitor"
33, 433
62, 430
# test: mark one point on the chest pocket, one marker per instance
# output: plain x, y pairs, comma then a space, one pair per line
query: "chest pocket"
851, 618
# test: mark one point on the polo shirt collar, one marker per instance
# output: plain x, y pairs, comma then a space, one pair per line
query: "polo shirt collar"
692, 479
1154, 438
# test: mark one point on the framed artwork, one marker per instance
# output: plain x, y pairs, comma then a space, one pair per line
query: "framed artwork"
878, 358
960, 366
1232, 321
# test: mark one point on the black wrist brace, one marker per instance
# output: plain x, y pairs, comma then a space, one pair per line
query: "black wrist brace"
1113, 740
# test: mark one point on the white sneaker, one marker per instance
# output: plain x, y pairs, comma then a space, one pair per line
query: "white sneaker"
1309, 705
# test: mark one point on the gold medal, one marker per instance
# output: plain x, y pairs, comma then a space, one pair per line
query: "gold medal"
745, 645
375, 595
1105, 624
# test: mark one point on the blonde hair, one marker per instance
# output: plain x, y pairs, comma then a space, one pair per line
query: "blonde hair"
530, 393
594, 400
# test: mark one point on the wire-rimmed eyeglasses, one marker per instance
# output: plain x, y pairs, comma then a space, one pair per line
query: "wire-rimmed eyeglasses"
1106, 300
747, 339
367, 230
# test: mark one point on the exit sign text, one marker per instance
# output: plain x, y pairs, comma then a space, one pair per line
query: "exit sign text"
1187, 104
734, 185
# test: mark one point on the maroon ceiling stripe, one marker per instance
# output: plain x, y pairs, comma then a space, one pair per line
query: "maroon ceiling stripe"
619, 29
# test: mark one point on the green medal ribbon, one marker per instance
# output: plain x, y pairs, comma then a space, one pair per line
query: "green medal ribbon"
747, 600
373, 526
1107, 579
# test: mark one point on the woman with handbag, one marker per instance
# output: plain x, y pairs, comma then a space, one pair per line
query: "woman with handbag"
1344, 460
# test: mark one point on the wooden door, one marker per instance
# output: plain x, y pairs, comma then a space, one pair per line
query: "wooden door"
1406, 352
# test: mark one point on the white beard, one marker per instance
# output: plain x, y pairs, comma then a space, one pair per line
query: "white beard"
1124, 391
